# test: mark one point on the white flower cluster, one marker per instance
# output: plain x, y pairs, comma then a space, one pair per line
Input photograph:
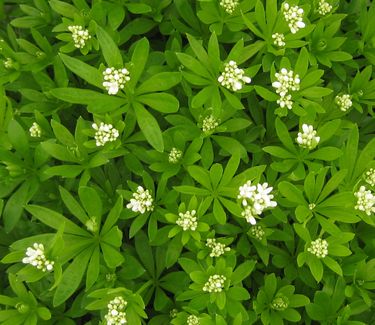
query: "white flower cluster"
192, 320
8, 63
36, 257
187, 220
35, 130
233, 77
286, 81
294, 17
104, 133
174, 156
255, 198
115, 79
278, 39
280, 303
365, 201
209, 124
307, 138
344, 102
324, 7
116, 314
79, 35
217, 249
257, 232
370, 177
229, 5
215, 283
319, 248
142, 201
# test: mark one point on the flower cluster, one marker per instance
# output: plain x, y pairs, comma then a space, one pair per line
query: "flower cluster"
35, 130
8, 63
104, 133
192, 320
286, 81
319, 248
255, 198
365, 200
257, 232
307, 138
344, 102
278, 39
229, 5
294, 17
209, 124
215, 283
116, 314
324, 7
174, 156
233, 78
280, 303
115, 79
36, 257
370, 177
217, 249
187, 220
79, 35
142, 201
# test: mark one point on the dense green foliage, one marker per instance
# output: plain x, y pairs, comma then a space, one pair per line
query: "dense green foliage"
187, 162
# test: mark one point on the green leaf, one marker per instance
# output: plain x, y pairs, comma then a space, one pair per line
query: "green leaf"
113, 215
315, 92
243, 271
316, 267
326, 154
238, 293
302, 232
194, 65
230, 170
162, 102
292, 193
63, 8
18, 139
144, 252
266, 94
111, 53
112, 257
91, 201
139, 59
149, 127
332, 264
200, 175
284, 135
159, 82
302, 63
93, 268
332, 184
219, 212
62, 134
73, 206
199, 51
278, 152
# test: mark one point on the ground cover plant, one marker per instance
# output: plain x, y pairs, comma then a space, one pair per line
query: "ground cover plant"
187, 162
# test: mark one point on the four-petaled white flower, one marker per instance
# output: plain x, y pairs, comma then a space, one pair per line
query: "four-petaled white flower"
307, 138
79, 35
294, 17
115, 79
233, 77
142, 201
116, 314
35, 256
104, 133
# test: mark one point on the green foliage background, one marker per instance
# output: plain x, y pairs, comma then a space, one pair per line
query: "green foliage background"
63, 191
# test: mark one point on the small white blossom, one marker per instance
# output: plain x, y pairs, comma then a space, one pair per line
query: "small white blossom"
104, 133
344, 102
192, 320
142, 201
324, 7
233, 78
209, 124
294, 17
215, 283
280, 303
36, 257
229, 5
187, 220
174, 156
286, 82
278, 39
116, 314
8, 63
257, 232
79, 35
115, 79
35, 130
365, 201
307, 138
370, 177
319, 248
217, 249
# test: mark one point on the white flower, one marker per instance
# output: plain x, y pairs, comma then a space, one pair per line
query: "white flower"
319, 248
324, 7
217, 249
187, 220
116, 314
174, 156
104, 133
344, 102
365, 201
192, 320
370, 177
115, 79
229, 5
142, 201
286, 82
8, 63
233, 78
294, 17
36, 257
35, 130
215, 283
257, 232
278, 39
307, 138
79, 35
209, 124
